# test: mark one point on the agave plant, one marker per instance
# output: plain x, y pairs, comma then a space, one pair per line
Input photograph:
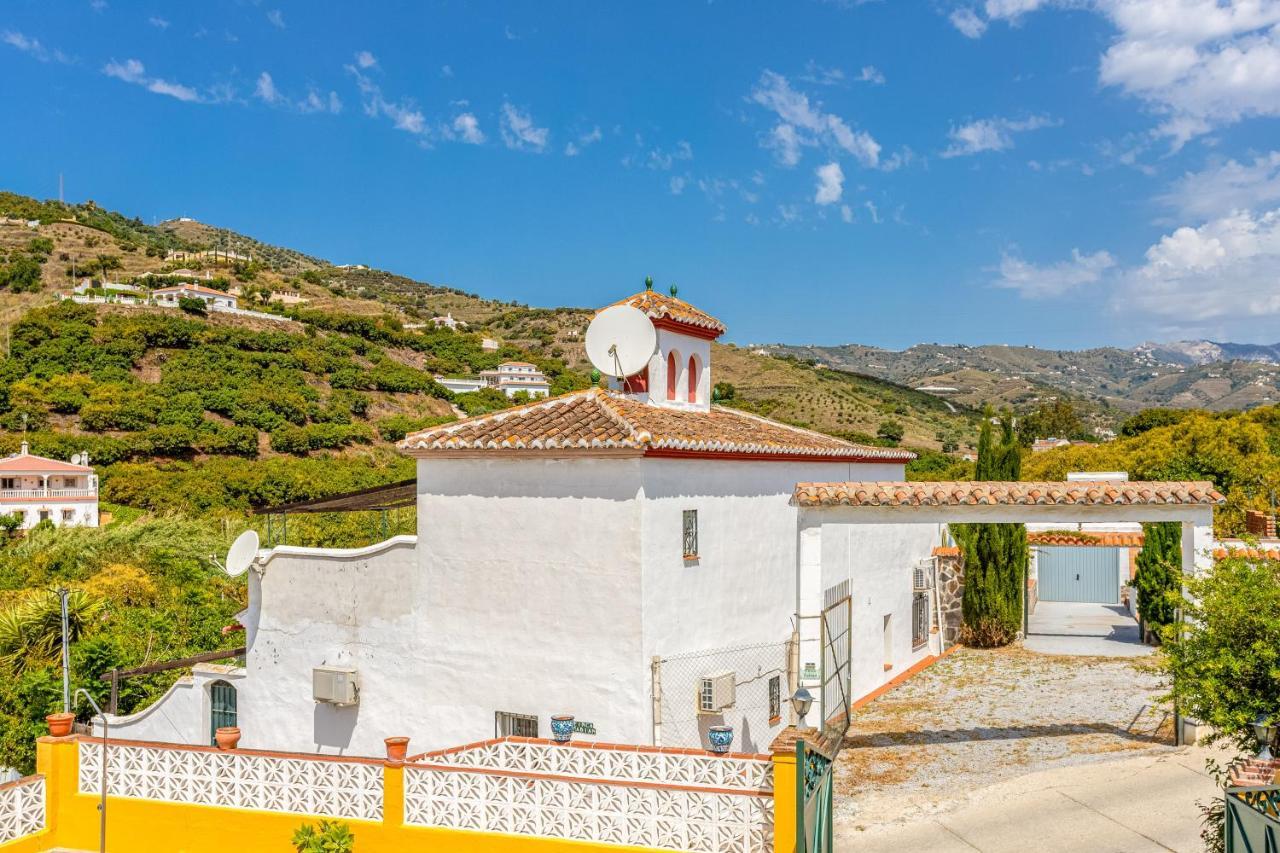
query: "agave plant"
31, 631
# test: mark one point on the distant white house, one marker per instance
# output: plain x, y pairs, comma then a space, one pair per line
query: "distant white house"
513, 376
169, 296
488, 345
1040, 445
447, 322
287, 297
37, 488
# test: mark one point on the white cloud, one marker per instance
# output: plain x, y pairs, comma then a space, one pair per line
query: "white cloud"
519, 131
871, 208
403, 114
467, 128
1196, 64
846, 213
815, 73
802, 124
1224, 187
830, 184
158, 22
1221, 275
446, 70
968, 23
870, 74
32, 47
1039, 282
788, 214
584, 140
266, 89
990, 134
662, 160
276, 17
365, 59
133, 71
678, 184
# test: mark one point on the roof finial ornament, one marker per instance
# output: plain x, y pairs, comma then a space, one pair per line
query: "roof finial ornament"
674, 290
648, 282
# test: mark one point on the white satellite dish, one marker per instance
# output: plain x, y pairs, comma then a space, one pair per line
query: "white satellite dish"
242, 553
620, 341
75, 459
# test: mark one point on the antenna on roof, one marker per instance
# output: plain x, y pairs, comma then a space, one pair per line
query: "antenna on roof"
620, 341
240, 556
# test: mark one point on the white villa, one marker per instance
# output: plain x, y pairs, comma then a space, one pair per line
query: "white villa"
169, 296
513, 376
648, 562
37, 488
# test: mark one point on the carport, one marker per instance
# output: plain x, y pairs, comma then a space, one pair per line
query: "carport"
831, 505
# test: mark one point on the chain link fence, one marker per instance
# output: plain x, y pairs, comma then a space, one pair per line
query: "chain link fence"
691, 694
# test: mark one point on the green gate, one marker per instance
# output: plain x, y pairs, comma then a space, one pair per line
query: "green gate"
222, 708
814, 800
1252, 820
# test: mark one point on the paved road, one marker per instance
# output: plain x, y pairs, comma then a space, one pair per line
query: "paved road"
1071, 628
1131, 805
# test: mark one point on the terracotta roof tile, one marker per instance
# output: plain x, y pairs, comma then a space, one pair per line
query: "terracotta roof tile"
973, 493
27, 462
600, 420
658, 306
1102, 539
1249, 553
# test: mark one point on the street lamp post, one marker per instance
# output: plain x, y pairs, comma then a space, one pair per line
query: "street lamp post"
102, 805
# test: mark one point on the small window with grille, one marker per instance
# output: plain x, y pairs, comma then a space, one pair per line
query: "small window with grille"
919, 619
507, 724
690, 534
775, 699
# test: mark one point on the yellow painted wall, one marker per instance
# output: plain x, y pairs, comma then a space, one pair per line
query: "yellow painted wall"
784, 802
150, 826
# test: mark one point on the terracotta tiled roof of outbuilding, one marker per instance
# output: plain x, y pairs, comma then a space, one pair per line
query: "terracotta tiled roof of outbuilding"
975, 493
1101, 539
658, 307
30, 463
604, 421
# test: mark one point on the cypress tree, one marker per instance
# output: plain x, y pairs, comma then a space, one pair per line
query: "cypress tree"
995, 555
1159, 573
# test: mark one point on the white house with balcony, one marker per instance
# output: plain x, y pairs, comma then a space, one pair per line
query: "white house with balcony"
513, 376
651, 563
37, 488
169, 297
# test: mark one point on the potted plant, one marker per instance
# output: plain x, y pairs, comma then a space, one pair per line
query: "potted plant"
227, 737
562, 728
60, 723
720, 738
397, 748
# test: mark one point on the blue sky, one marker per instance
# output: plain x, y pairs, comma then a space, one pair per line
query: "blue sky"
1066, 174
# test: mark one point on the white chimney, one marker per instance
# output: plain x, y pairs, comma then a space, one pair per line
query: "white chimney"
25, 449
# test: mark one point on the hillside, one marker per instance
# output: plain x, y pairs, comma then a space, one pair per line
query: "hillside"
1108, 381
369, 307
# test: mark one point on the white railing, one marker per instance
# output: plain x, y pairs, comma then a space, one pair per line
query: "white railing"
21, 808
663, 799
239, 780
47, 493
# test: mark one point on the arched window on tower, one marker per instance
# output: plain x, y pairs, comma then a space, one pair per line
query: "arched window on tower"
693, 379
671, 375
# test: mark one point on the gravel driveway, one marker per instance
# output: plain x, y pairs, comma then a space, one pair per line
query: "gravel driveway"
979, 717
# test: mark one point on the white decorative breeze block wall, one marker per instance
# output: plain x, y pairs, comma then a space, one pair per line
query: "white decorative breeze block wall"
304, 786
646, 799
21, 808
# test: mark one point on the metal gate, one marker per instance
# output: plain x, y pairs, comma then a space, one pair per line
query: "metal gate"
837, 654
222, 708
1079, 573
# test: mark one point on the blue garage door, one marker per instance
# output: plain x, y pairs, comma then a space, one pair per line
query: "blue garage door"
1080, 574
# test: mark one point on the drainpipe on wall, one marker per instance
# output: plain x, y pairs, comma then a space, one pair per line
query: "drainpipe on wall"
656, 669
793, 672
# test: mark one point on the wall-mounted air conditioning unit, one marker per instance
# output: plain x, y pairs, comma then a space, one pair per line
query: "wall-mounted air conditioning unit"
335, 685
716, 692
923, 576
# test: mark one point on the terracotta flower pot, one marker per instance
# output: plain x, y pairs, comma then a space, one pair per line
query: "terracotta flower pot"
60, 723
397, 748
228, 737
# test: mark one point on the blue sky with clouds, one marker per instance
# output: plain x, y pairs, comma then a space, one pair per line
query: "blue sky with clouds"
1066, 174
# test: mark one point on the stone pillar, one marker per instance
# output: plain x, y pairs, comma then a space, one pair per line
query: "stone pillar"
950, 593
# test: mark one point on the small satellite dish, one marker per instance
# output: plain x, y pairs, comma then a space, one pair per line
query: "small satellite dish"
75, 459
242, 553
620, 341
